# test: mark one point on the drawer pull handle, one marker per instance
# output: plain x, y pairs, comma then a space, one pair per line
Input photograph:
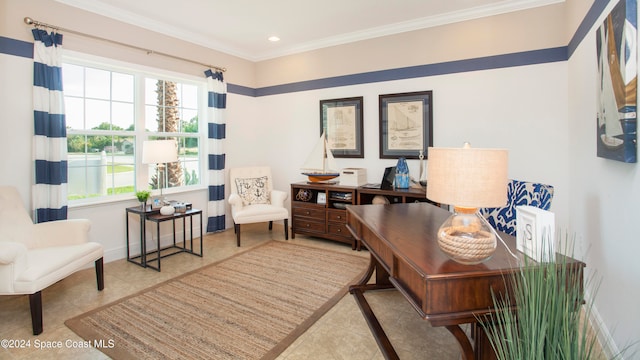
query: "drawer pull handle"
339, 230
308, 225
339, 217
308, 213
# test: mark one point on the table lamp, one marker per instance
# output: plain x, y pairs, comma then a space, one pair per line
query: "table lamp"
159, 152
468, 179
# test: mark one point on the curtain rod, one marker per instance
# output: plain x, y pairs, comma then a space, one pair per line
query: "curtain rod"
30, 21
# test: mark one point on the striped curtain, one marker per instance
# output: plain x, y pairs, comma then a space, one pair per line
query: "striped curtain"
217, 103
50, 134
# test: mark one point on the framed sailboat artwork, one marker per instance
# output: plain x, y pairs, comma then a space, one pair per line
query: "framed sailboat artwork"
406, 124
342, 122
616, 45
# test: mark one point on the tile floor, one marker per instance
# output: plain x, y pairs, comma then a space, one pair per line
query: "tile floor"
341, 334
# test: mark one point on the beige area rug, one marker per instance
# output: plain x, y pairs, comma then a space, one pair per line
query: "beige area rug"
250, 306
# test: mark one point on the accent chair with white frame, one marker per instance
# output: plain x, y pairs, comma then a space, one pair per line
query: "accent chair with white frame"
253, 199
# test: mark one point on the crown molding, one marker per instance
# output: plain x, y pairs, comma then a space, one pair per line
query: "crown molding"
501, 7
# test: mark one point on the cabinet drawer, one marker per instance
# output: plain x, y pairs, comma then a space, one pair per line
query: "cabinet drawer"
307, 225
339, 229
309, 212
337, 216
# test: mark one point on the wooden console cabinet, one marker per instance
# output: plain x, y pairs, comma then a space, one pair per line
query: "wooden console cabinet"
397, 196
320, 210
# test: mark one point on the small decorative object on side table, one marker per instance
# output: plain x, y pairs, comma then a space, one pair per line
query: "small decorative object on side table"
180, 207
143, 196
167, 209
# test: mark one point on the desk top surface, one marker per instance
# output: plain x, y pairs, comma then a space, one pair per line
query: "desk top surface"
410, 230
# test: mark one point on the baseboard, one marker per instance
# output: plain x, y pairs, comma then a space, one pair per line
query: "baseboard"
605, 340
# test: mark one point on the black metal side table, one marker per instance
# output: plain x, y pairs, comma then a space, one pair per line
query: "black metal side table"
147, 257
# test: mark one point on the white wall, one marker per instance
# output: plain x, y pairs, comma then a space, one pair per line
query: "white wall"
16, 100
522, 109
603, 205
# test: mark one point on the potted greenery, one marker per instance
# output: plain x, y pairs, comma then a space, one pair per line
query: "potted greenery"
143, 196
547, 322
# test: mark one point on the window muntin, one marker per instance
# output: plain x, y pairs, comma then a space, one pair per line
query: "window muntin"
110, 112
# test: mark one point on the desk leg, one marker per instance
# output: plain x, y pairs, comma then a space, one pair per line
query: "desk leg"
382, 277
382, 282
480, 350
384, 344
463, 341
482, 344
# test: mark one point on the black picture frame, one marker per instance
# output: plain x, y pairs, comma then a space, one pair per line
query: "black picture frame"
342, 122
406, 124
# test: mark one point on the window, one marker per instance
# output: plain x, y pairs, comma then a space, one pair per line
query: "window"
110, 112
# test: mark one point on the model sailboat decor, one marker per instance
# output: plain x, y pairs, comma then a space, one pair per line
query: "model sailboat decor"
320, 165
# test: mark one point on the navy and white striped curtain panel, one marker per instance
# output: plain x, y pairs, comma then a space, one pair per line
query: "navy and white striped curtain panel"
50, 134
217, 103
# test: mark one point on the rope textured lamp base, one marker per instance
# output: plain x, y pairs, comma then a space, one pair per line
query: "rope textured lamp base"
466, 249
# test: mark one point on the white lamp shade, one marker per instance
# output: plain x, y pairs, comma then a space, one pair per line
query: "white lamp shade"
159, 151
468, 177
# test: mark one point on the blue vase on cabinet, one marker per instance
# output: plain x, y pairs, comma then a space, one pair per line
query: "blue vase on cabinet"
402, 174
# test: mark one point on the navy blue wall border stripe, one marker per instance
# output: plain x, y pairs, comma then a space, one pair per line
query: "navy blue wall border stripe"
483, 63
583, 29
241, 90
16, 47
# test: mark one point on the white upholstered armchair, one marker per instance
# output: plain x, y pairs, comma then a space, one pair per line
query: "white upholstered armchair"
35, 256
253, 199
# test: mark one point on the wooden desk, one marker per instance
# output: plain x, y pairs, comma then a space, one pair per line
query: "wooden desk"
405, 254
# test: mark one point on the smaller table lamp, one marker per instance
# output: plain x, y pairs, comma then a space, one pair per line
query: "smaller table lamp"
468, 179
159, 152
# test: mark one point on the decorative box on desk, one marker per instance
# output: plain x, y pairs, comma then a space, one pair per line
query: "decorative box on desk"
319, 210
353, 177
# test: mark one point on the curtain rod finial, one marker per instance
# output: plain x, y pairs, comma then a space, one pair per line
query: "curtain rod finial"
28, 20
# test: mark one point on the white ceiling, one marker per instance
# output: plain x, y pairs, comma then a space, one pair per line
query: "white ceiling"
241, 27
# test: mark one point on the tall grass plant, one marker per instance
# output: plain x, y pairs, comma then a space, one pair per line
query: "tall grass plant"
550, 320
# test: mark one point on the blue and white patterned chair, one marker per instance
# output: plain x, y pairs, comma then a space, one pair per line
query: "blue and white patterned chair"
518, 193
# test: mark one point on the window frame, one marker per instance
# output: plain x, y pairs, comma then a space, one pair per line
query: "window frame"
141, 171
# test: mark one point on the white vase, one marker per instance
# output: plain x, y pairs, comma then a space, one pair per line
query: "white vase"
167, 210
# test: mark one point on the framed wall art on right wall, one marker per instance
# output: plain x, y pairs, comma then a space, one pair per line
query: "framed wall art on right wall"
616, 48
